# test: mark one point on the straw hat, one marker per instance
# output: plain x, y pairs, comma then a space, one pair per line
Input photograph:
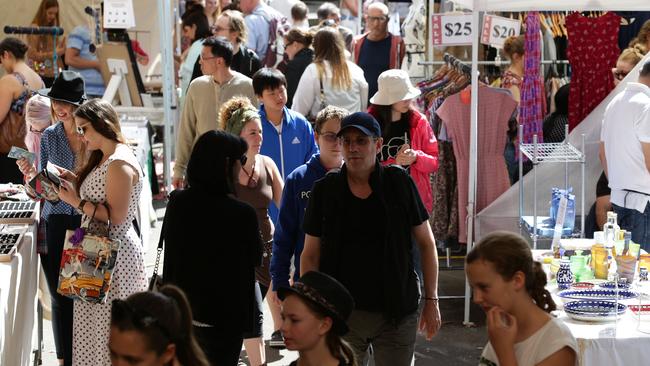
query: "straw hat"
393, 86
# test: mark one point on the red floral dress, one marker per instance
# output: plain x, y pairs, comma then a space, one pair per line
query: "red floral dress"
592, 52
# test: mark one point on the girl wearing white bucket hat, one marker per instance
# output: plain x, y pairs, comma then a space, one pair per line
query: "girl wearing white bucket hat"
408, 138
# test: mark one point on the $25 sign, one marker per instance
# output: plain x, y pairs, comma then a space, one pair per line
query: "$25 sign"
451, 29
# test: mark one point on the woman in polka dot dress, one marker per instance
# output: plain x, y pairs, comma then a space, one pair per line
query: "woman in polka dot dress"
112, 178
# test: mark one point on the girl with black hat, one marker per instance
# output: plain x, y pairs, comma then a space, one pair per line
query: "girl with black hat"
61, 146
314, 313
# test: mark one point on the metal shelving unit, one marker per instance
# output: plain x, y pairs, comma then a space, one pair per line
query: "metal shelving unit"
538, 153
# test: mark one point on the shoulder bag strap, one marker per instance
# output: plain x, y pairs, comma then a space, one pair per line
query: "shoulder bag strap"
322, 94
160, 247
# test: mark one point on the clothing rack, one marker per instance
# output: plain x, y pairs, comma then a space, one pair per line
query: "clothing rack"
493, 63
455, 62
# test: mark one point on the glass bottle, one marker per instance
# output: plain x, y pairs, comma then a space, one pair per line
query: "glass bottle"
610, 229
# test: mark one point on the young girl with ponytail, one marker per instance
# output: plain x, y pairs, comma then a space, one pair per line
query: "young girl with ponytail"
154, 328
510, 287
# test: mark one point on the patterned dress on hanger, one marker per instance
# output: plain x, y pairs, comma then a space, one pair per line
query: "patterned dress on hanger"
91, 324
592, 52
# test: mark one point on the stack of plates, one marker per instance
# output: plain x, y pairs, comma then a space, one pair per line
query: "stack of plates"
597, 294
594, 310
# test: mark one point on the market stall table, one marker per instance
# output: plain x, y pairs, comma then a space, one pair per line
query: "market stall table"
18, 289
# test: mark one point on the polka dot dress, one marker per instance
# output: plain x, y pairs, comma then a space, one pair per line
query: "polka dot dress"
91, 324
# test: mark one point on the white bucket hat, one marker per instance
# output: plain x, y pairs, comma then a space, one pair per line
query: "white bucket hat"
393, 86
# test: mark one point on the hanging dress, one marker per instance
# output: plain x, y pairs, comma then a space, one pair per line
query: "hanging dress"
91, 322
532, 104
593, 52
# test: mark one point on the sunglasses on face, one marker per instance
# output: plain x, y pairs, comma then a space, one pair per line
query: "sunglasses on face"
620, 75
330, 137
81, 130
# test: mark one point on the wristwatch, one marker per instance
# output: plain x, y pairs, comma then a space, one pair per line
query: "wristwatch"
81, 205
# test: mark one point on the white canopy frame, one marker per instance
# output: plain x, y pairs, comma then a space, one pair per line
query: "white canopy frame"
478, 6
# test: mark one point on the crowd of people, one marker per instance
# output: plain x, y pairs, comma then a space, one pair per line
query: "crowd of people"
302, 177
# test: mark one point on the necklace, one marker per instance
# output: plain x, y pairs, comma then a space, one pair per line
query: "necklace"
252, 181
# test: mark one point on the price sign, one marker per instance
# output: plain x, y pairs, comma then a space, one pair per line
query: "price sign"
451, 29
496, 29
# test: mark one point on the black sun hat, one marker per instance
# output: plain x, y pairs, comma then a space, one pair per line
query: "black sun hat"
327, 293
67, 87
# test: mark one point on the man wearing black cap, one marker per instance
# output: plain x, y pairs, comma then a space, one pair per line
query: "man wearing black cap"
625, 156
359, 225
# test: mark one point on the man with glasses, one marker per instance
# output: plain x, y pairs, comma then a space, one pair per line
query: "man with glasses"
289, 237
359, 225
377, 50
205, 96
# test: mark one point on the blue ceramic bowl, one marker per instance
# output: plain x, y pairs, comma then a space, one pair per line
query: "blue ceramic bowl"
612, 285
597, 294
593, 310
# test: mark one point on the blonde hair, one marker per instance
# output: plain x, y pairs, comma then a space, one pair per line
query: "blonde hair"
632, 55
328, 46
642, 37
239, 106
236, 24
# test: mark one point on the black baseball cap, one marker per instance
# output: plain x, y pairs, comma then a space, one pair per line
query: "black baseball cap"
363, 122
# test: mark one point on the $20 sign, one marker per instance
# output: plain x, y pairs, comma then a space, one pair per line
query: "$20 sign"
496, 29
451, 29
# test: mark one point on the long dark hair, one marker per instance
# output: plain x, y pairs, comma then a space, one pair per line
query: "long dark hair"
199, 19
163, 318
384, 115
104, 120
212, 163
510, 253
339, 348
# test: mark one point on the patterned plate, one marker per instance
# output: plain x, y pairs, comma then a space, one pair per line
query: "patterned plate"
597, 294
582, 285
644, 309
593, 310
612, 285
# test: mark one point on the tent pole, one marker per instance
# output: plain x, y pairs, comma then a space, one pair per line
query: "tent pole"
473, 153
168, 89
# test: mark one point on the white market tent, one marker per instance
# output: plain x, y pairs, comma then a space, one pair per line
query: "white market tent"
504, 212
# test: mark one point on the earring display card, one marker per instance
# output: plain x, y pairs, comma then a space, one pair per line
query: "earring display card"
9, 242
12, 212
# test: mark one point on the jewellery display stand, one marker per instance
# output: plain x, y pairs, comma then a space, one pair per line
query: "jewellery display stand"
537, 153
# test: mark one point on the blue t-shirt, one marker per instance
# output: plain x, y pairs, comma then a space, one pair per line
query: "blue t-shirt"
374, 58
93, 82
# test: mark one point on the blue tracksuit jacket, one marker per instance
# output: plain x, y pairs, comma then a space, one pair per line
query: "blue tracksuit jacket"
289, 149
289, 238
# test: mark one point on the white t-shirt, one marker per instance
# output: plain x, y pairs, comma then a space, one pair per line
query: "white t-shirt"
626, 124
550, 338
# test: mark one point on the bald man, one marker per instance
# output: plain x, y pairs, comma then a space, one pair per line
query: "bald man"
377, 50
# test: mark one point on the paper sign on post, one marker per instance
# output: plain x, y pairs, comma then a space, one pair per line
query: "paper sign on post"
118, 14
496, 29
449, 29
